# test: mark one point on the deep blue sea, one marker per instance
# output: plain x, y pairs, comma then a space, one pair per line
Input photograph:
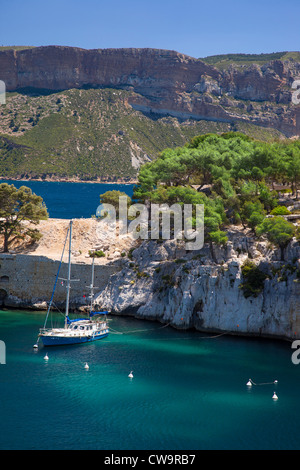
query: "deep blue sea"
188, 392
71, 200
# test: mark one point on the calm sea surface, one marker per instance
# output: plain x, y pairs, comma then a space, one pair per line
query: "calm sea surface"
188, 392
71, 200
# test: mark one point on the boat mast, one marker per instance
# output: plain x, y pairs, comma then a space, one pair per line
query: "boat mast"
69, 276
92, 285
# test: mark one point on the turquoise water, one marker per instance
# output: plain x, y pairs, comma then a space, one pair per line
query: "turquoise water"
71, 200
188, 392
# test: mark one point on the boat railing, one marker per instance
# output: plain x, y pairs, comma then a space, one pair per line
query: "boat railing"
45, 330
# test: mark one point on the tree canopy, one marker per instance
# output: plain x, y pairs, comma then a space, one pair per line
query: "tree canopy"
278, 230
112, 197
225, 161
17, 206
233, 175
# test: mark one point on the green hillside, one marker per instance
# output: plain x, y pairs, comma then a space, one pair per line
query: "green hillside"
15, 48
91, 134
225, 60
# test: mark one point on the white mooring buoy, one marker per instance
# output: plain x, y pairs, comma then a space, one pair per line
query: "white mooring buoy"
46, 357
249, 383
275, 397
130, 375
86, 366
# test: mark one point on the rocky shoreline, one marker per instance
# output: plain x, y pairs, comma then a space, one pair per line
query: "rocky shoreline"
188, 290
57, 179
159, 280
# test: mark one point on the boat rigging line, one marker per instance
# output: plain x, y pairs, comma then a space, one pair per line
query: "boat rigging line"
55, 284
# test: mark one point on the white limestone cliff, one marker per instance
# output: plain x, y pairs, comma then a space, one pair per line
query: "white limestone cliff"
189, 290
160, 280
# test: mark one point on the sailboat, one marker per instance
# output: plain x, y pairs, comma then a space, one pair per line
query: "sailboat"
81, 330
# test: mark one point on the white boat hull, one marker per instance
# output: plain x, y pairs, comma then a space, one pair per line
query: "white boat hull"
56, 338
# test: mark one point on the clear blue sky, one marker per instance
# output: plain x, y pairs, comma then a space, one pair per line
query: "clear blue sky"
195, 27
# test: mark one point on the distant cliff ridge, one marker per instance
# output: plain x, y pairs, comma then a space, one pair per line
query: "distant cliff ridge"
165, 82
58, 68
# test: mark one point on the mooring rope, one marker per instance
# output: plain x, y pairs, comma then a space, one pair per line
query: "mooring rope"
137, 331
160, 328
266, 383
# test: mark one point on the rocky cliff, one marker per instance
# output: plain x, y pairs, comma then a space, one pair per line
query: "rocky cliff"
28, 272
165, 82
190, 290
160, 280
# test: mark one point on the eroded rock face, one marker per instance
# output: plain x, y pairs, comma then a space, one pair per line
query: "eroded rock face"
56, 67
166, 82
192, 291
